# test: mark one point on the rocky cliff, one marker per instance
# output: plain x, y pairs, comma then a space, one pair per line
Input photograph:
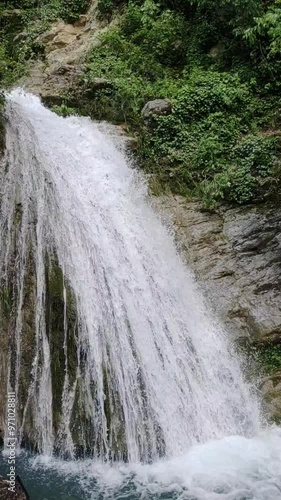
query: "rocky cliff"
235, 252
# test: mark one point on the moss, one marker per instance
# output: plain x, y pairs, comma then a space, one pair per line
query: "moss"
55, 329
2, 126
28, 339
269, 357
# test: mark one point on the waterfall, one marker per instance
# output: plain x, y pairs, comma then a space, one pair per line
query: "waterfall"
144, 368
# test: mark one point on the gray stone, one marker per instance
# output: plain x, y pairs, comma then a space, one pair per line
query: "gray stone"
157, 107
236, 255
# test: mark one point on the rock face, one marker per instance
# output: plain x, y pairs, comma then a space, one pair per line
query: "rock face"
20, 492
236, 254
57, 83
271, 390
156, 108
65, 49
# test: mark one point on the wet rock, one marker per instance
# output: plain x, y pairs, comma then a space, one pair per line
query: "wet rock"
267, 386
236, 257
236, 254
271, 391
20, 491
157, 107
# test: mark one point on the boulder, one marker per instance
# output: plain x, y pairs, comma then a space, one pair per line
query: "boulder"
157, 107
82, 21
20, 491
11, 12
90, 87
57, 85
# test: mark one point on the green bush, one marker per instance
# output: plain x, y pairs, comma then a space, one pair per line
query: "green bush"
206, 145
153, 30
69, 10
217, 61
209, 145
210, 92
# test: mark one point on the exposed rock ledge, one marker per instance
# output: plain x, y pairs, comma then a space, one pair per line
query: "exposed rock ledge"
236, 254
65, 49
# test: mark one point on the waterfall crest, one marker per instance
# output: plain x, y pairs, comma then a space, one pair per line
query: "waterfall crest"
145, 369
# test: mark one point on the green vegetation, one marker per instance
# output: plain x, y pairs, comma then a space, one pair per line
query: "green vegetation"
219, 64
269, 358
217, 61
2, 124
21, 23
63, 110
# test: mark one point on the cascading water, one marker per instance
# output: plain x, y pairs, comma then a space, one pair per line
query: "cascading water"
153, 373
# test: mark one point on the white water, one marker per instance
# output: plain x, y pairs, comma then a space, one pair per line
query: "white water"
173, 380
233, 468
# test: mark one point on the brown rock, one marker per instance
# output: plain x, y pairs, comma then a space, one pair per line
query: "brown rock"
59, 36
82, 21
19, 494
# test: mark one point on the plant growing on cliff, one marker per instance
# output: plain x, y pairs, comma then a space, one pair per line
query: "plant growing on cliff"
21, 22
210, 146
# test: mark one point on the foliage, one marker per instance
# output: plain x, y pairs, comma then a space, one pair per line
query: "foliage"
63, 110
20, 29
218, 61
209, 146
268, 25
269, 358
107, 7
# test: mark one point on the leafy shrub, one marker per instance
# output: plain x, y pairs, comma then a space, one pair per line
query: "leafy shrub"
153, 30
211, 145
70, 10
269, 357
206, 145
210, 92
105, 8
252, 167
63, 110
